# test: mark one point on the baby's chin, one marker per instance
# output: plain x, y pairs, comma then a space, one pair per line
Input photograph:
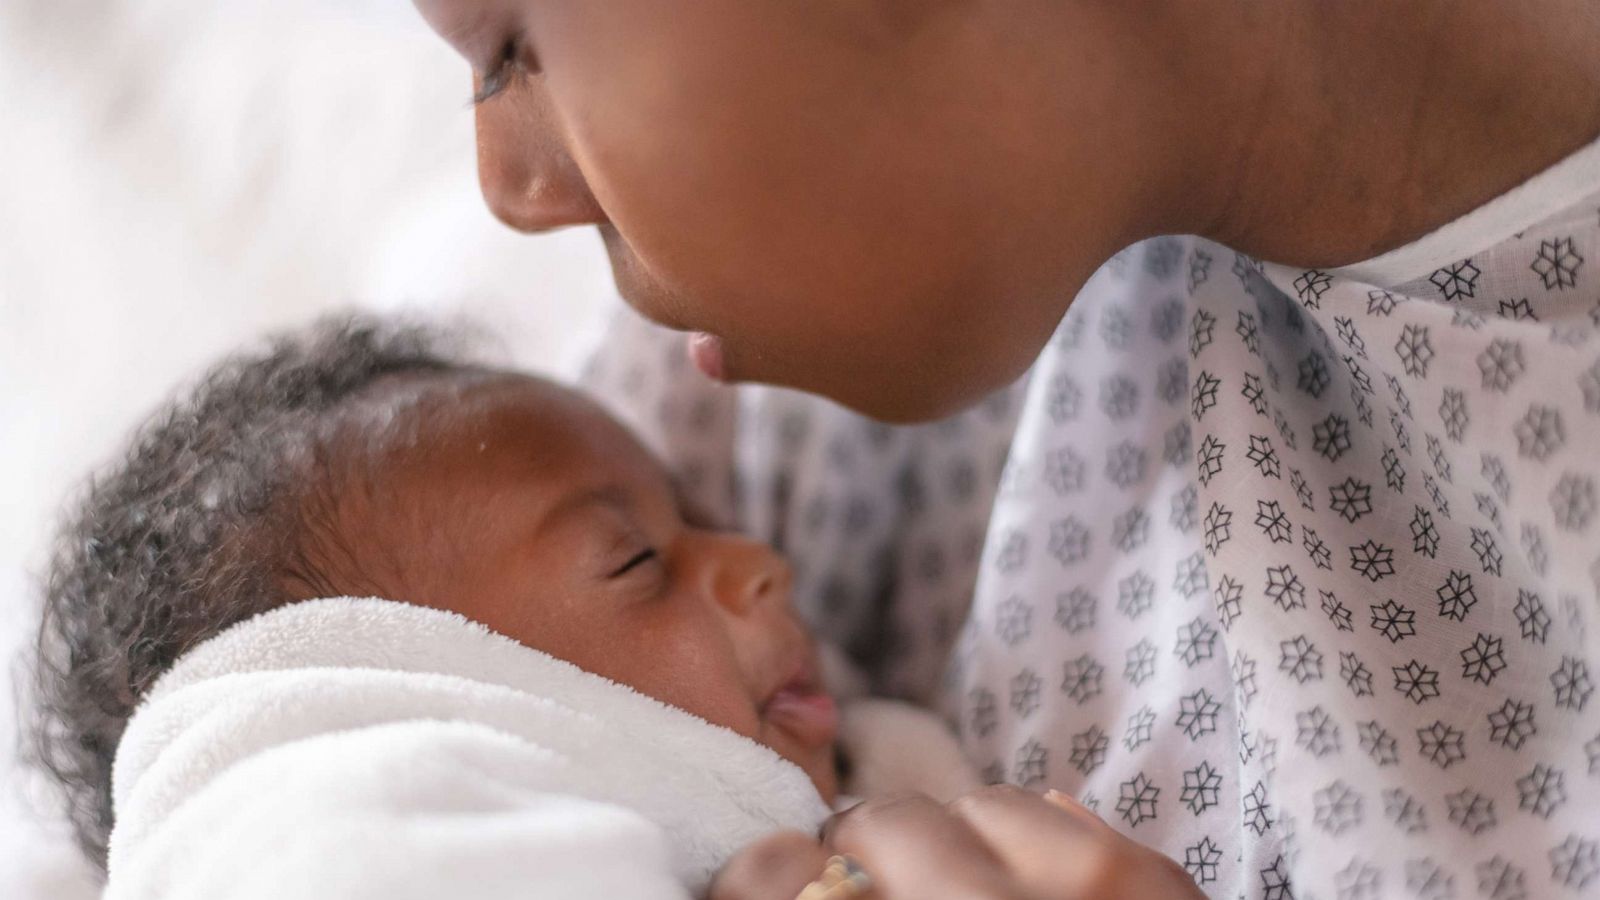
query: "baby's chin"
819, 762
823, 769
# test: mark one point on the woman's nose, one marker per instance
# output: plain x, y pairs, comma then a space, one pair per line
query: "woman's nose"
528, 178
746, 574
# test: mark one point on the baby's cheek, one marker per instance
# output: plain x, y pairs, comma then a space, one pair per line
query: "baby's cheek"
715, 693
680, 652
743, 722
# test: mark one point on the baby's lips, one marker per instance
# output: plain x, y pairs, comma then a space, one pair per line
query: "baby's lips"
811, 716
705, 351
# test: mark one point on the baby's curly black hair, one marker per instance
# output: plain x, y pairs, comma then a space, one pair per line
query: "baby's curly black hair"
190, 532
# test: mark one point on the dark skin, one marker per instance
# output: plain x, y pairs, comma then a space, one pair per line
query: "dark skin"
519, 504
893, 203
523, 506
997, 843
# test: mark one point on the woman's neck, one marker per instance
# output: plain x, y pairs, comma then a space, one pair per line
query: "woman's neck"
1332, 132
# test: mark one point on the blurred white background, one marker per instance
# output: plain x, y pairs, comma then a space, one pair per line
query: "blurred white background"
178, 176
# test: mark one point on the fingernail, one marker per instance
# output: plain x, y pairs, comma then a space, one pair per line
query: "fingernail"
1065, 801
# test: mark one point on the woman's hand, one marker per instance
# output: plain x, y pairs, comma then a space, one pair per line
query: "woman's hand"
1001, 842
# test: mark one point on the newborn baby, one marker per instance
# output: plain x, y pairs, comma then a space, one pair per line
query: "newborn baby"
360, 461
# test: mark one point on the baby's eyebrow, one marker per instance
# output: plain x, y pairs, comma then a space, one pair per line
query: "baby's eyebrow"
612, 496
693, 512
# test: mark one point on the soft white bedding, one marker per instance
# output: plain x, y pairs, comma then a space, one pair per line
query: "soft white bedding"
362, 748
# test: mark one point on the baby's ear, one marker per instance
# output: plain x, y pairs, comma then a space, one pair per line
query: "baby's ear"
840, 676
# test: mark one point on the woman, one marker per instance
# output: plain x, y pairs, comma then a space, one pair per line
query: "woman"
1292, 572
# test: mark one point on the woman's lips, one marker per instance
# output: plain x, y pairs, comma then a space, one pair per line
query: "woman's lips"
705, 351
805, 712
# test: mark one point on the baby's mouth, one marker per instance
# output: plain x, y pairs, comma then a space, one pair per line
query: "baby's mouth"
803, 708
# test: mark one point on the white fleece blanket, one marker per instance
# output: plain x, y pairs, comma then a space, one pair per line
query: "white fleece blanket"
358, 748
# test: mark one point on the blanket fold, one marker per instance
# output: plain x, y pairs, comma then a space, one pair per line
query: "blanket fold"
360, 748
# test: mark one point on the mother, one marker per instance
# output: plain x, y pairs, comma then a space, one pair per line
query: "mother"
1293, 572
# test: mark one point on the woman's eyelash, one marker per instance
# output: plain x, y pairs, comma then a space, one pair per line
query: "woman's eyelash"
638, 559
499, 76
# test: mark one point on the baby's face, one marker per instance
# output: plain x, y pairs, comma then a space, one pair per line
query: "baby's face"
523, 506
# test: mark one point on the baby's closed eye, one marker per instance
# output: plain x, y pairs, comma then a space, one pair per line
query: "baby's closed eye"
641, 558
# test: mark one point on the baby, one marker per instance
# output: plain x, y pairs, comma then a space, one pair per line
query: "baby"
361, 460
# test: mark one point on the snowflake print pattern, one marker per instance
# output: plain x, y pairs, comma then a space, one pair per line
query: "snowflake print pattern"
1378, 744
1415, 351
1498, 879
1089, 750
1025, 693
1201, 788
1575, 862
1441, 744
1301, 660
1511, 724
1372, 561
1338, 808
1500, 365
1573, 502
1557, 264
1224, 484
1393, 621
1257, 811
1316, 732
1273, 522
1518, 310
1285, 589
1197, 714
1416, 682
1200, 861
1081, 679
1030, 764
1351, 499
1140, 665
1572, 684
1139, 729
1540, 433
1401, 808
1541, 791
1204, 394
1075, 610
1135, 595
1336, 611
1470, 811
1196, 642
1484, 659
1310, 287
1457, 280
1014, 623
1137, 801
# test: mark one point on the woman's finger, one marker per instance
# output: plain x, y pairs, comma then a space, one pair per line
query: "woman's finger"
777, 867
1049, 848
912, 846
1077, 810
1056, 847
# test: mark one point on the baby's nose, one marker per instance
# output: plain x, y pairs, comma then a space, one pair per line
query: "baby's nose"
750, 575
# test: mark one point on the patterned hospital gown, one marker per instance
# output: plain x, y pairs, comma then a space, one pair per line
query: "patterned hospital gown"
1289, 574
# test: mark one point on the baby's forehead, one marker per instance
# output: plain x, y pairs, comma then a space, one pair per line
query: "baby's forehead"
438, 470
419, 408
481, 421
